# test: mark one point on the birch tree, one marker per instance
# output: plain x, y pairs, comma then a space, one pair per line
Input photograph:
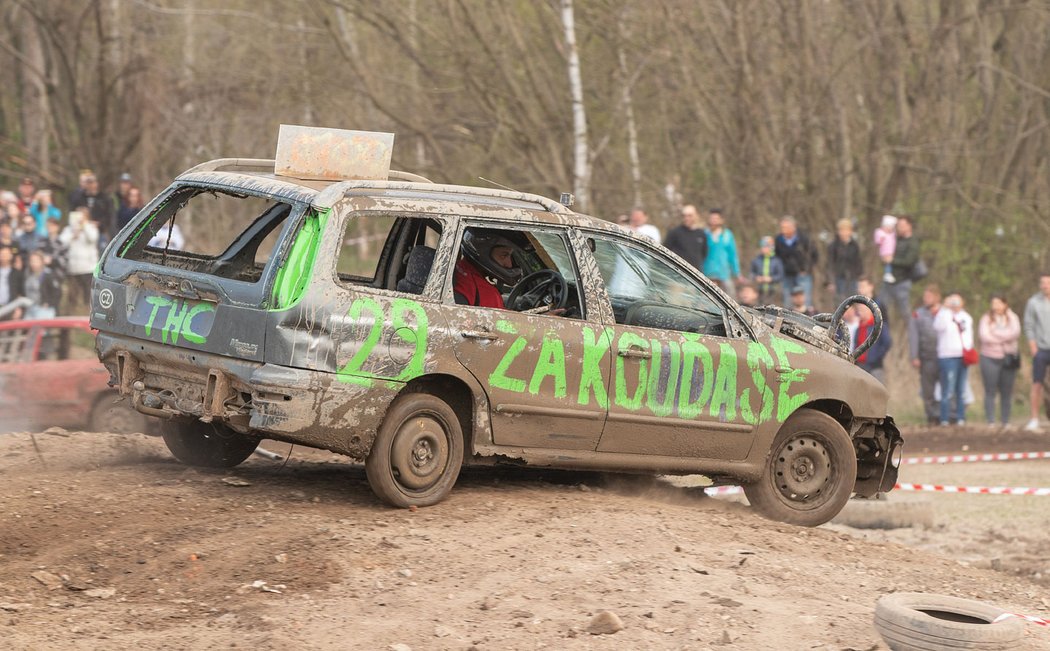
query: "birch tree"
581, 150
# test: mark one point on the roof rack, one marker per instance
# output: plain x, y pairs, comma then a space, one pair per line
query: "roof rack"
397, 181
266, 165
333, 193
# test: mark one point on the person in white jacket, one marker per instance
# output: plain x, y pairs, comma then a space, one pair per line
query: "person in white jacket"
80, 238
954, 328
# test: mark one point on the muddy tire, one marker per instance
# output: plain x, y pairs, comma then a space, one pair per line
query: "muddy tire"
809, 474
417, 453
208, 445
108, 415
912, 621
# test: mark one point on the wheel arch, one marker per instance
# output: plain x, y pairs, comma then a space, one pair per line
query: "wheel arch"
466, 399
837, 409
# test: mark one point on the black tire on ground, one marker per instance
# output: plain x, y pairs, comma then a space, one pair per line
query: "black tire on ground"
209, 445
418, 451
810, 471
109, 415
912, 621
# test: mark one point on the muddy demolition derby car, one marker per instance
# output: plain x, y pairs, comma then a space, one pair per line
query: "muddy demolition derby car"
325, 300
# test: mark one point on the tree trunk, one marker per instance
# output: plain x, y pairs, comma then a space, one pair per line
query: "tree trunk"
628, 108
35, 108
581, 169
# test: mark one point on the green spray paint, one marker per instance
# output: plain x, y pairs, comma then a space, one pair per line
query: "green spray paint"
297, 269
595, 348
725, 395
143, 226
674, 357
692, 353
760, 362
787, 404
407, 321
551, 364
410, 324
499, 378
629, 402
353, 372
178, 320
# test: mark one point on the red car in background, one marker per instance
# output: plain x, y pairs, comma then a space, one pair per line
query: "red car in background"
50, 376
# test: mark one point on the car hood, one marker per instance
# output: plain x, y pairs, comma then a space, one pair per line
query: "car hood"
810, 330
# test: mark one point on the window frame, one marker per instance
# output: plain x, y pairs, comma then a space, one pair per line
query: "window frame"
258, 293
736, 326
388, 250
448, 295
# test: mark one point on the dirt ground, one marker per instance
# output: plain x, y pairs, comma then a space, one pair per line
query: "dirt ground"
107, 542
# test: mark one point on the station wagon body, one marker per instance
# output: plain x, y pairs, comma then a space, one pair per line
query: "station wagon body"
330, 320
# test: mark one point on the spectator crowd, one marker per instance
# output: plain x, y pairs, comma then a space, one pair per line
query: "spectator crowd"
47, 257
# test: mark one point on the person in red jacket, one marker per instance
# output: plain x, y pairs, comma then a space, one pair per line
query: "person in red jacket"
486, 255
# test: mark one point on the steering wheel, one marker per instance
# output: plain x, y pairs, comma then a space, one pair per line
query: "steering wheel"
544, 287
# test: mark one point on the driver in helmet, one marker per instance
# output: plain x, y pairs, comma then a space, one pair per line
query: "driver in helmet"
486, 254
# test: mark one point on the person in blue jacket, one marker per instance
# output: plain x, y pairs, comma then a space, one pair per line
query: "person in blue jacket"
722, 263
873, 358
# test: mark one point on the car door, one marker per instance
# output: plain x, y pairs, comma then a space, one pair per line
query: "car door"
545, 375
682, 384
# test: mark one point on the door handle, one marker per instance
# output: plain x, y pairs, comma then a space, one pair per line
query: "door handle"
783, 369
479, 334
635, 352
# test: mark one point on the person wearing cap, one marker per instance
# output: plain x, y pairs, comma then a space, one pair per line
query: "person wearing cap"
767, 272
798, 301
485, 254
124, 185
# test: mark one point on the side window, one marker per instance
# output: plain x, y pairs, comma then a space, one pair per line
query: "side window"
362, 247
517, 269
647, 291
392, 252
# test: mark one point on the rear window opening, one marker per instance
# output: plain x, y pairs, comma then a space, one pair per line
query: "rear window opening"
210, 231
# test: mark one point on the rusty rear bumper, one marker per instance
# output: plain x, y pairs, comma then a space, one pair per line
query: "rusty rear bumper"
297, 405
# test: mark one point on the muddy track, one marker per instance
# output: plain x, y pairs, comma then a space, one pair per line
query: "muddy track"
109, 543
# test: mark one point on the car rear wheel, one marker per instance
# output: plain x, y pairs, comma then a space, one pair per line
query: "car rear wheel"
210, 445
810, 472
418, 451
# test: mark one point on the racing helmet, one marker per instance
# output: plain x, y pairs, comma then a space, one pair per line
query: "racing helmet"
478, 244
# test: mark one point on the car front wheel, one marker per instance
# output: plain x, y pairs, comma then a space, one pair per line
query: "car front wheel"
210, 445
416, 456
810, 472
